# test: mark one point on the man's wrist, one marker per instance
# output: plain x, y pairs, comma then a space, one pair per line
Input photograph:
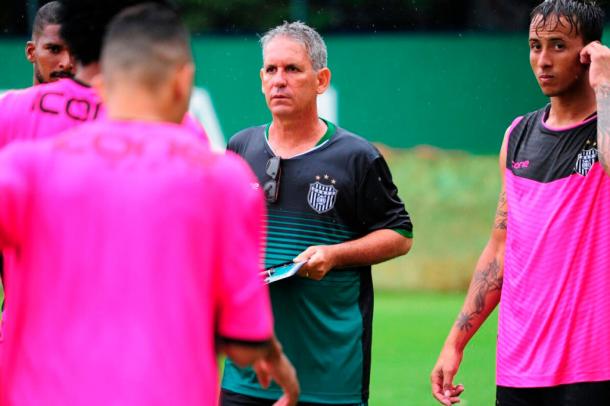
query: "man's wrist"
274, 350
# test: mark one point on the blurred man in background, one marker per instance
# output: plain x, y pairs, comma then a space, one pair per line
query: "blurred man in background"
332, 204
138, 248
47, 51
548, 256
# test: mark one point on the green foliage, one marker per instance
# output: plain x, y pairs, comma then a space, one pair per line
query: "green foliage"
451, 197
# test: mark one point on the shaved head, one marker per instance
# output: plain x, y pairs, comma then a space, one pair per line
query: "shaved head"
49, 14
145, 42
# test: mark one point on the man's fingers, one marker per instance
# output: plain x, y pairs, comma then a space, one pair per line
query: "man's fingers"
442, 400
448, 382
436, 378
263, 376
286, 400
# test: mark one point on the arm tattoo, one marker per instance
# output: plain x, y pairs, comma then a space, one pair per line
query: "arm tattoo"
485, 281
501, 213
603, 126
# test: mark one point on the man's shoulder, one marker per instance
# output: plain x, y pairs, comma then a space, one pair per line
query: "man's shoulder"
352, 143
246, 133
15, 97
242, 138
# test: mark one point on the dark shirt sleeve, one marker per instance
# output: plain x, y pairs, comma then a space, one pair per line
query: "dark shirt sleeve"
379, 206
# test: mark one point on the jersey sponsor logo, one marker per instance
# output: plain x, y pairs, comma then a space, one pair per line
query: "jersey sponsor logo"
521, 165
585, 160
321, 197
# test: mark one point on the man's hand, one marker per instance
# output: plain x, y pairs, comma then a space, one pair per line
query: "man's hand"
442, 375
320, 260
276, 366
598, 56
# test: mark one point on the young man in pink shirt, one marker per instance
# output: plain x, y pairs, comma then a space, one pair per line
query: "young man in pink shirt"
44, 111
548, 257
137, 249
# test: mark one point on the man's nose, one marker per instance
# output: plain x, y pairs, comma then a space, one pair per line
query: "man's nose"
67, 62
279, 79
544, 59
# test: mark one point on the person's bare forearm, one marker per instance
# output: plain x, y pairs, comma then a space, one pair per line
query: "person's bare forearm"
603, 125
373, 248
486, 285
482, 298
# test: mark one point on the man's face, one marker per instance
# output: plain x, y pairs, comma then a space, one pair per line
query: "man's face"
49, 55
555, 57
289, 82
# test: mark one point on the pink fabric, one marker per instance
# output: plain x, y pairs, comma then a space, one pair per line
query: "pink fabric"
135, 246
46, 110
554, 325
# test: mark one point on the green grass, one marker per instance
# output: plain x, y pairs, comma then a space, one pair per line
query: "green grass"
409, 330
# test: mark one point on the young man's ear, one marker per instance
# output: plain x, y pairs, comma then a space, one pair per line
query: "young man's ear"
184, 81
30, 51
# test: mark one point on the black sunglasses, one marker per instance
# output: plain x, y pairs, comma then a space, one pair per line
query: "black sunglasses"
272, 186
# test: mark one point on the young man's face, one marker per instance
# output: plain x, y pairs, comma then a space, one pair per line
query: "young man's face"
289, 81
49, 55
555, 56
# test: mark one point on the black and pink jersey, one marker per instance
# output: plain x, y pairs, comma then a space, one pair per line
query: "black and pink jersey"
554, 325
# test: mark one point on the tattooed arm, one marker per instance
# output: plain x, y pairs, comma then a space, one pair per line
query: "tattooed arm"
598, 56
482, 297
603, 126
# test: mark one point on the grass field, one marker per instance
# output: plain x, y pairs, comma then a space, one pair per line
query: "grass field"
409, 330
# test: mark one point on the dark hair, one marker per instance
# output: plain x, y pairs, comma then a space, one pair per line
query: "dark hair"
585, 17
84, 25
149, 38
48, 14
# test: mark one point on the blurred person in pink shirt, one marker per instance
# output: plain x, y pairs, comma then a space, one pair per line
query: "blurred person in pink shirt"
46, 110
137, 249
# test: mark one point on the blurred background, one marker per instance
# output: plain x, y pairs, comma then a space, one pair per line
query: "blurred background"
434, 84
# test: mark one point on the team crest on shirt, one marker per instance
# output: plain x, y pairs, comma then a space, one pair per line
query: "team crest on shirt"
586, 159
322, 194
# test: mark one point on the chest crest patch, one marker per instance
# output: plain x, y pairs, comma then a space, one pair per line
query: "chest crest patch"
322, 194
586, 159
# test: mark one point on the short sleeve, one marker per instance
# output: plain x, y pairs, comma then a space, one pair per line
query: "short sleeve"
244, 307
379, 206
13, 196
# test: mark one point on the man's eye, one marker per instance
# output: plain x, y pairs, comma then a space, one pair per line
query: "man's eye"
55, 49
270, 69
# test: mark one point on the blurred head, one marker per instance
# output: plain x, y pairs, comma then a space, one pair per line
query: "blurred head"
559, 30
147, 52
294, 69
85, 22
47, 50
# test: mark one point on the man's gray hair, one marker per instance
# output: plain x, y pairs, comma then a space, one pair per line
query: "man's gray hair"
300, 32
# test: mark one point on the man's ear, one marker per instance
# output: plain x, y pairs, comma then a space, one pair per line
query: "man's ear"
323, 77
183, 82
30, 51
262, 72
